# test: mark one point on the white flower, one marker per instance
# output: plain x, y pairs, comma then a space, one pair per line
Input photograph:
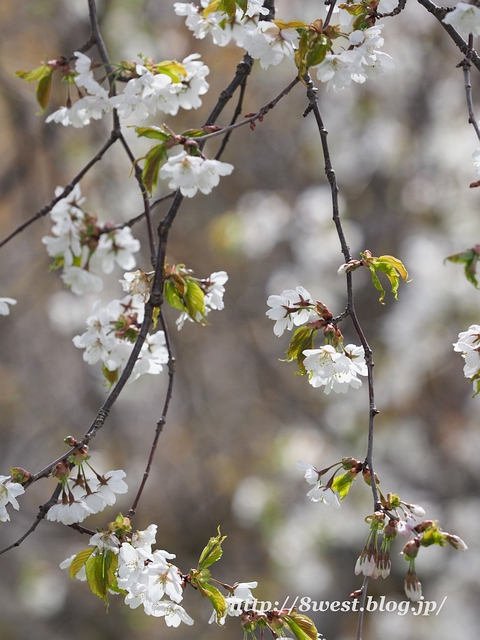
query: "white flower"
465, 18
81, 281
85, 77
190, 173
131, 565
405, 527
117, 247
269, 44
70, 513
9, 491
320, 493
469, 346
215, 291
137, 284
339, 69
311, 473
145, 539
334, 370
293, 307
367, 565
174, 613
456, 542
153, 356
255, 7
105, 540
4, 302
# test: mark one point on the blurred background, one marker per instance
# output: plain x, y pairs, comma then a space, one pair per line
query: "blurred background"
401, 147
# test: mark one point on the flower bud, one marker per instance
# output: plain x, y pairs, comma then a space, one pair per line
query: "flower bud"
456, 542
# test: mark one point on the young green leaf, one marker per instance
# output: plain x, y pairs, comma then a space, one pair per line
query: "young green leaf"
79, 560
213, 6
153, 161
173, 297
392, 267
42, 75
158, 133
303, 338
470, 259
100, 570
212, 552
229, 7
342, 484
301, 626
173, 69
194, 299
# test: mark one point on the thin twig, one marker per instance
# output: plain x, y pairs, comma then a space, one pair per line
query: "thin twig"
66, 191
161, 421
331, 177
42, 512
466, 66
439, 13
361, 611
146, 202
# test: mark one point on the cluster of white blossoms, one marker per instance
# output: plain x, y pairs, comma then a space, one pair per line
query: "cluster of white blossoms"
84, 496
9, 492
82, 245
111, 334
270, 43
318, 492
213, 298
469, 346
213, 22
333, 368
357, 63
146, 576
193, 173
4, 308
144, 95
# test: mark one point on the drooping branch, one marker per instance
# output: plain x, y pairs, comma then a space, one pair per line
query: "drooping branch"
439, 13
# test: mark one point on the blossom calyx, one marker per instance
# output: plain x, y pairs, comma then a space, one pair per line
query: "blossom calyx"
19, 475
410, 550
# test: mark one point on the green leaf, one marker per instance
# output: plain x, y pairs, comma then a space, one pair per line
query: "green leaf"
35, 74
216, 598
229, 7
291, 24
342, 484
42, 75
79, 560
392, 267
173, 69
100, 570
153, 161
469, 258
43, 90
213, 6
303, 338
301, 626
242, 4
110, 376
354, 9
173, 297
433, 535
318, 51
194, 299
158, 133
212, 552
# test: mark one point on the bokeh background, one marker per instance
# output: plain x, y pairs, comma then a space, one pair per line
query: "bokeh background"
401, 146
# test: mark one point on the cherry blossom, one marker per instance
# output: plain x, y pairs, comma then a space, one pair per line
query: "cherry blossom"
293, 307
334, 370
4, 308
469, 346
465, 18
191, 173
269, 44
9, 492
